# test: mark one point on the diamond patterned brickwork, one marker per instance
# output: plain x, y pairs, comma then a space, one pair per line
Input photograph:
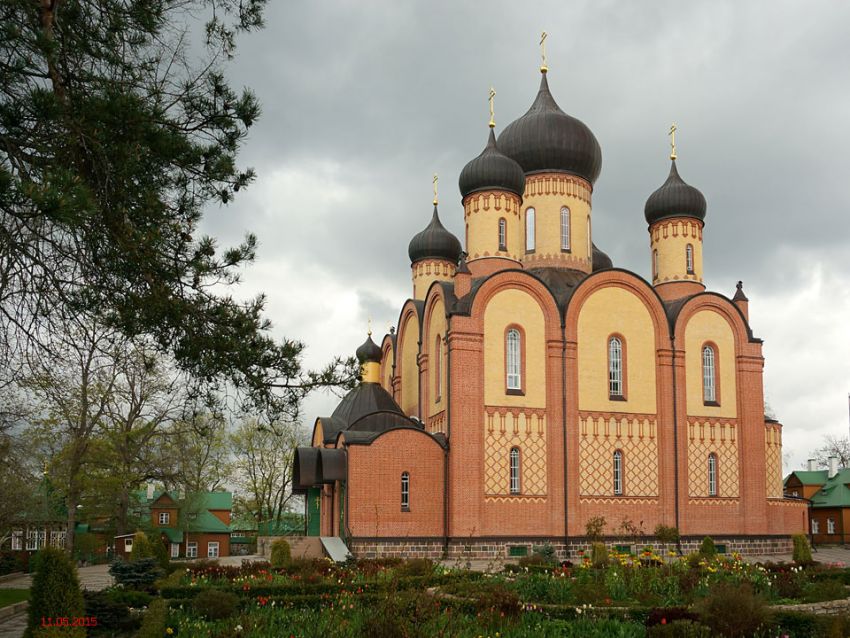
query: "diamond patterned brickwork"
721, 438
523, 428
600, 436
773, 459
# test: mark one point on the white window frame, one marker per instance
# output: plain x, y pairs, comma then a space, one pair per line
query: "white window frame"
830, 526
514, 463
42, 538
709, 374
815, 526
513, 359
565, 228
530, 229
128, 545
175, 550
32, 539
213, 545
618, 472
17, 540
503, 234
57, 538
712, 474
164, 518
405, 491
191, 549
615, 367
689, 258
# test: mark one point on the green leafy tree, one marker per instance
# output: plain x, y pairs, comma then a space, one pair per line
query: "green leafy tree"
116, 131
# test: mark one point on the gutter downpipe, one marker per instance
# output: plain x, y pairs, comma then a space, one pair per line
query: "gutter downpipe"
448, 439
564, 420
675, 443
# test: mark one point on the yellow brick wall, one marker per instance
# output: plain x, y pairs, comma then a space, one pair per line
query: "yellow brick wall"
505, 428
670, 238
436, 326
409, 368
482, 212
703, 326
704, 438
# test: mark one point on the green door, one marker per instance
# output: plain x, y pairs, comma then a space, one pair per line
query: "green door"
314, 511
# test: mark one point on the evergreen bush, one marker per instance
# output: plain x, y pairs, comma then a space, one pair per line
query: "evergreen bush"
733, 610
707, 549
137, 574
155, 622
214, 604
142, 547
598, 555
802, 550
55, 593
281, 553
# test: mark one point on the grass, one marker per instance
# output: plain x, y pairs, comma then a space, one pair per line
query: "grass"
12, 596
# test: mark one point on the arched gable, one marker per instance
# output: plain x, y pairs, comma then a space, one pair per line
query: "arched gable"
617, 305
407, 357
388, 363
434, 326
721, 305
317, 440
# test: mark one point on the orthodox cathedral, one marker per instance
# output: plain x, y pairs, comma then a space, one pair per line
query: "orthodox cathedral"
532, 386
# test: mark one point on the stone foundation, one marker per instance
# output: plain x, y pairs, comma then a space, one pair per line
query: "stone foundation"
569, 549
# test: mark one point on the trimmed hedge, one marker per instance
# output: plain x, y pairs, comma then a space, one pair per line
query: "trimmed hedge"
55, 593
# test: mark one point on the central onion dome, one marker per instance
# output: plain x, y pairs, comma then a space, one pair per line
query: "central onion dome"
369, 351
435, 242
492, 170
547, 139
675, 198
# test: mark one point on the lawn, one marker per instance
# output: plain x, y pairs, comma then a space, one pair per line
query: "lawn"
12, 596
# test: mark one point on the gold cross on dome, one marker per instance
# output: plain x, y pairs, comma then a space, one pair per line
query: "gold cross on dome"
672, 135
490, 97
370, 326
435, 189
543, 36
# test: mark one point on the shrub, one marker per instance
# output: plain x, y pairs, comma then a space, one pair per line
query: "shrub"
802, 550
281, 553
594, 528
546, 552
129, 597
532, 559
824, 590
495, 598
142, 547
55, 592
707, 549
415, 567
665, 615
112, 613
679, 629
733, 610
155, 621
160, 552
214, 604
598, 555
137, 574
667, 534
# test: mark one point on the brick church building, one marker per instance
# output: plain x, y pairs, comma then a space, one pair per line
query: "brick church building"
531, 385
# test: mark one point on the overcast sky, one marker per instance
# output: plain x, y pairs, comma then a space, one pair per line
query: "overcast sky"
364, 101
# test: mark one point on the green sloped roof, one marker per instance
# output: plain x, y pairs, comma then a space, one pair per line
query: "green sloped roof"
243, 523
173, 535
816, 477
835, 493
207, 522
216, 500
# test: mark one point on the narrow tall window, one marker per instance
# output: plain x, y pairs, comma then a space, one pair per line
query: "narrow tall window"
655, 264
513, 360
438, 369
589, 240
514, 470
405, 491
830, 526
712, 474
689, 258
615, 367
709, 372
618, 472
529, 229
565, 228
503, 234
815, 526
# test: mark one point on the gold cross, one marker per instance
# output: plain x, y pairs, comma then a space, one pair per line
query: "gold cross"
435, 189
543, 36
492, 94
370, 327
672, 135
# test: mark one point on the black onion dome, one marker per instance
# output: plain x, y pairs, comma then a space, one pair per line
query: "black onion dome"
601, 260
369, 352
492, 170
435, 242
675, 198
547, 139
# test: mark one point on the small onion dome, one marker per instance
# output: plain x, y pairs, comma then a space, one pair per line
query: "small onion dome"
674, 199
369, 352
492, 170
435, 242
547, 139
601, 260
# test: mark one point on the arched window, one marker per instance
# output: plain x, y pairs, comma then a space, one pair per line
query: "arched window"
709, 374
503, 234
565, 228
513, 360
438, 369
655, 264
712, 474
514, 462
618, 472
589, 240
615, 368
405, 491
689, 258
529, 229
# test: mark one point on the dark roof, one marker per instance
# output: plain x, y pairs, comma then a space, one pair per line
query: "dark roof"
739, 292
435, 242
366, 398
369, 351
601, 260
675, 198
492, 170
547, 139
379, 422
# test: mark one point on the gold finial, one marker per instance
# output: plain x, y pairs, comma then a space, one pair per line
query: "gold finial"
492, 94
543, 36
672, 135
369, 332
435, 189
